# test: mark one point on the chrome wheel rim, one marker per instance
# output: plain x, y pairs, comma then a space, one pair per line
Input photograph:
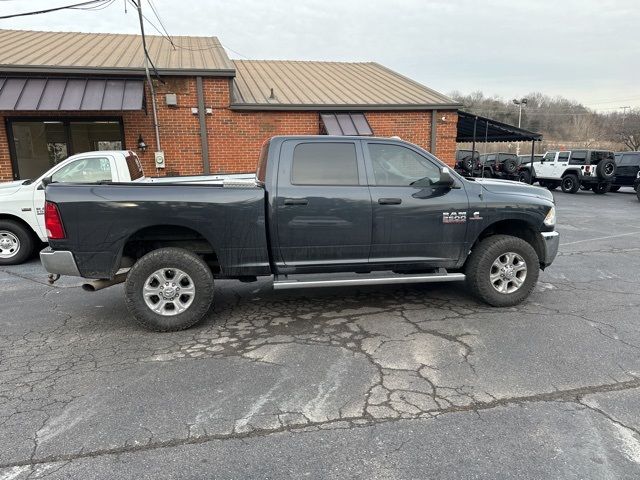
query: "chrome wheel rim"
9, 244
508, 272
169, 291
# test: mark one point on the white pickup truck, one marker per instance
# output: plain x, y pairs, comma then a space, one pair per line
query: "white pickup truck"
22, 201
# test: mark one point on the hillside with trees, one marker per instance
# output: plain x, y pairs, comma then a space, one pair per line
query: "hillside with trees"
563, 123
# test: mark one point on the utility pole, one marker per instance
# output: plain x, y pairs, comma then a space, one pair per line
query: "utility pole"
624, 114
522, 102
138, 5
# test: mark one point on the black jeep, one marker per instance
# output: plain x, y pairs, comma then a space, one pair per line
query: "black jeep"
497, 165
627, 168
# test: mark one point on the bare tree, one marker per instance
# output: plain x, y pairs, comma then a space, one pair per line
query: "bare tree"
628, 131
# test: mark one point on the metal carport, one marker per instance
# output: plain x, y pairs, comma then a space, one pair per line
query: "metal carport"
475, 128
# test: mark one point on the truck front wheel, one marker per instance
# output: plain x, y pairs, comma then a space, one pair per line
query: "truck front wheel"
16, 243
169, 289
502, 270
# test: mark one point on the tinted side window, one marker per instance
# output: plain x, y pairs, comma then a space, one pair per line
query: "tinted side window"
629, 159
86, 170
395, 165
549, 156
563, 156
324, 164
578, 157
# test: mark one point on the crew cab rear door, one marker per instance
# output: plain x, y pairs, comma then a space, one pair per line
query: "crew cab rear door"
415, 221
322, 206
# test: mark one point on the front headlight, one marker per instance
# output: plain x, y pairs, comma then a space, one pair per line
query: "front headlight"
550, 219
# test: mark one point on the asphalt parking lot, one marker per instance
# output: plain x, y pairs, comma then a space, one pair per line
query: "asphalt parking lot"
415, 381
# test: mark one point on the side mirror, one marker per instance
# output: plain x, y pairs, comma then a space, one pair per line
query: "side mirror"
446, 180
45, 181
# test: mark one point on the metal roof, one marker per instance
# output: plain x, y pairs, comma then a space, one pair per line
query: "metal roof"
488, 130
107, 53
304, 85
59, 93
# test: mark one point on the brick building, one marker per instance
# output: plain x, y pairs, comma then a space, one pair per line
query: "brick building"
65, 93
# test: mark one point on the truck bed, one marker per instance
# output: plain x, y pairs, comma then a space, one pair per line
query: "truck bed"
104, 218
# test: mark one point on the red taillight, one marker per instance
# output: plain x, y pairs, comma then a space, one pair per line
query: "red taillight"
587, 168
53, 222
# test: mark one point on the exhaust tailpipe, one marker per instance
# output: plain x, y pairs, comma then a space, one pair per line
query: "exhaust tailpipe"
96, 285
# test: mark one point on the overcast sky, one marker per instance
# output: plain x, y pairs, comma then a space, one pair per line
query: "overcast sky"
586, 50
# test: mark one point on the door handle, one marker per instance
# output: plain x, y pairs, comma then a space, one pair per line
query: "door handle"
296, 201
389, 201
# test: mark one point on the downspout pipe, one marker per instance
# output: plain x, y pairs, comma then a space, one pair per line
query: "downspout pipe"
202, 118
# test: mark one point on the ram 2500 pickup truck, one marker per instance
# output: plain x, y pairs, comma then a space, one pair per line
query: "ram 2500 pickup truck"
22, 201
322, 211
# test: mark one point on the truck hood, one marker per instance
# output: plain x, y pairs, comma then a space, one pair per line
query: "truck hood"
9, 188
510, 187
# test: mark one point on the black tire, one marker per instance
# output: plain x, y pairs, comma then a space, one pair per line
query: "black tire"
510, 165
167, 259
16, 242
481, 264
467, 164
524, 176
606, 169
570, 183
614, 188
601, 188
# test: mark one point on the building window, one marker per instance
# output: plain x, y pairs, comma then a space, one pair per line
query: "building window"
37, 145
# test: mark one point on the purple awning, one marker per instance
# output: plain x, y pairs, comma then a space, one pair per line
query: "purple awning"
346, 124
70, 94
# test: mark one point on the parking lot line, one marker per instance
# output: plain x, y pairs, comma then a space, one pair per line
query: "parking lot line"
600, 238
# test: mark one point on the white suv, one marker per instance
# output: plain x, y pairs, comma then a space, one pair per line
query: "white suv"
571, 169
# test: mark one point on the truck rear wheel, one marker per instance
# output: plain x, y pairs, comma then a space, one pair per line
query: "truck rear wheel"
502, 270
16, 243
169, 289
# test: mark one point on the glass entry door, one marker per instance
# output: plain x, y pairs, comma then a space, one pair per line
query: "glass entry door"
36, 145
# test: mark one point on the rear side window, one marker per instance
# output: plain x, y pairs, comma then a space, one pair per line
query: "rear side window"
578, 157
324, 164
262, 162
629, 159
134, 166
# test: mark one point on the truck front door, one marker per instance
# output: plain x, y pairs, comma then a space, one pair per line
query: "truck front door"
414, 219
323, 205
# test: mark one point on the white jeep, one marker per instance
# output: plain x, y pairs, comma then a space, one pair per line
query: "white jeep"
572, 169
22, 201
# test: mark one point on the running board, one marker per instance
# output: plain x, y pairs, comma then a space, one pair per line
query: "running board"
333, 280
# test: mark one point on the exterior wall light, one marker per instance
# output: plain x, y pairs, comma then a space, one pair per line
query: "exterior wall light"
141, 145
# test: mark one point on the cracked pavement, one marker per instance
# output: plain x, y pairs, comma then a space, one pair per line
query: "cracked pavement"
373, 382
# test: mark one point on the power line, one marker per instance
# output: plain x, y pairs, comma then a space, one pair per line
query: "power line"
72, 6
153, 9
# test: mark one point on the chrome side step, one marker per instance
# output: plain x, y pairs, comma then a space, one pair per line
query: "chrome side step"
315, 281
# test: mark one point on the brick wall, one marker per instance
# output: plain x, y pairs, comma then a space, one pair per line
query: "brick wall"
235, 137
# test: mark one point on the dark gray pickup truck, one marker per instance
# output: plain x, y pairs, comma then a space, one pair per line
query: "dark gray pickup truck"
322, 211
